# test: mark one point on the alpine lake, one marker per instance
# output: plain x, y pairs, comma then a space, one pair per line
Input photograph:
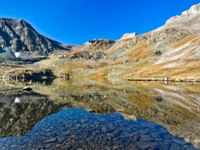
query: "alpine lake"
86, 114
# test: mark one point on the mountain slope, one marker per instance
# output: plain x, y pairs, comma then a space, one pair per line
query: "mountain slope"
18, 35
170, 52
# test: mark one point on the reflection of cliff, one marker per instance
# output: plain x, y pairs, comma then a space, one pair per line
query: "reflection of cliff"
19, 111
78, 129
173, 106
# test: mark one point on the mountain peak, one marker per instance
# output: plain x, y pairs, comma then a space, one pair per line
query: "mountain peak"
10, 20
18, 35
192, 12
188, 20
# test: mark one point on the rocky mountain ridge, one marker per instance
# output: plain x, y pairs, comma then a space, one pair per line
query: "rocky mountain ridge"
188, 19
170, 52
20, 36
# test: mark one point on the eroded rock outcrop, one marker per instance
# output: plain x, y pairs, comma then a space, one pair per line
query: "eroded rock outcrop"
103, 44
128, 35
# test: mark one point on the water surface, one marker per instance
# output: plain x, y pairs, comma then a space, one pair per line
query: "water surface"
78, 129
119, 115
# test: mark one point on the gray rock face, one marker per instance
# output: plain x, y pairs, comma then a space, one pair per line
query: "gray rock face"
19, 36
189, 19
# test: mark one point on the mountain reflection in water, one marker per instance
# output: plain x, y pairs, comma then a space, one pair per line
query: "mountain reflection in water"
173, 106
21, 110
76, 128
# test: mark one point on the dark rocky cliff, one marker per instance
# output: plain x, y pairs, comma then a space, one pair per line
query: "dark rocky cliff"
20, 36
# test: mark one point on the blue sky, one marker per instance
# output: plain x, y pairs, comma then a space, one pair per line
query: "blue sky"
76, 21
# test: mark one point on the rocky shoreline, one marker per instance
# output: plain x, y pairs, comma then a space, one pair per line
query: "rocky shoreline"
34, 76
164, 80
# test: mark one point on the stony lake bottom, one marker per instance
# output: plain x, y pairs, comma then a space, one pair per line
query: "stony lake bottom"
82, 114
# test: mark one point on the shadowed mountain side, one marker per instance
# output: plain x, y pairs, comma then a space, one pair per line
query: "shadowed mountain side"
19, 36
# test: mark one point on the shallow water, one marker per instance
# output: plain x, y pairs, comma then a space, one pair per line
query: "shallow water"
131, 115
76, 128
